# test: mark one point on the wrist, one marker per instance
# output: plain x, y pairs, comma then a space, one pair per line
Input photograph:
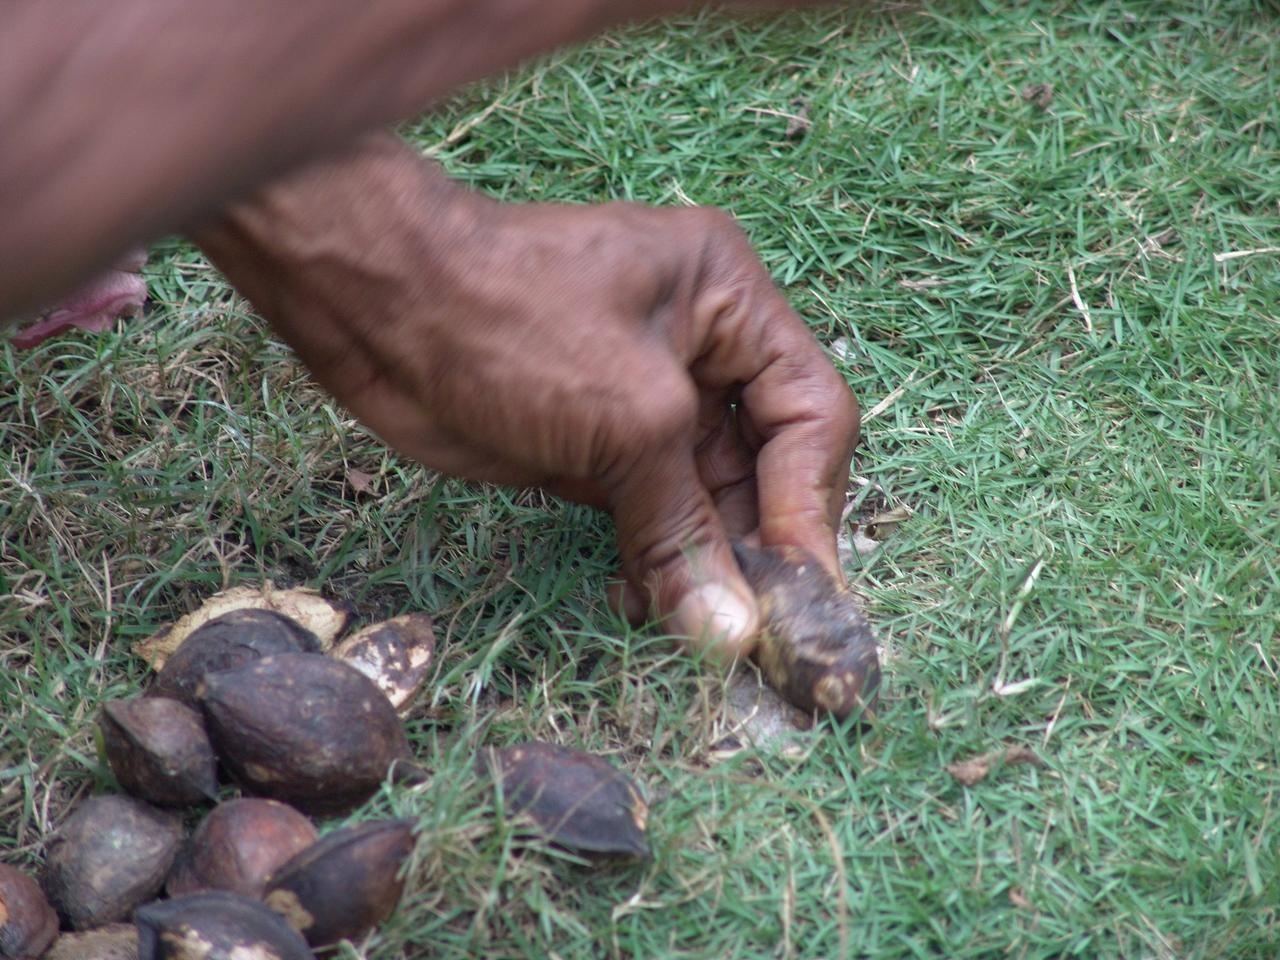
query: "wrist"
372, 208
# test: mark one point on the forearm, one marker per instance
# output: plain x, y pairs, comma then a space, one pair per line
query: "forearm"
123, 120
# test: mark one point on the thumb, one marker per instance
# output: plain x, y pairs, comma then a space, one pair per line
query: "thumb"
675, 551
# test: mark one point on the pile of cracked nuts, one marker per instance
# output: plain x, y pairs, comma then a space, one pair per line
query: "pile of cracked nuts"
256, 688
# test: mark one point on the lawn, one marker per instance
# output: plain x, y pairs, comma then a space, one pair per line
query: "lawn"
1041, 242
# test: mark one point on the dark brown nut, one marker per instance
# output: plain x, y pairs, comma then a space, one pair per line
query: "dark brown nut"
395, 654
579, 801
118, 941
215, 926
815, 647
28, 923
159, 751
238, 846
318, 616
230, 641
111, 854
303, 728
344, 885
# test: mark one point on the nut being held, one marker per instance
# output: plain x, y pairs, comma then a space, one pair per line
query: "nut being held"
158, 750
28, 923
238, 846
110, 855
344, 885
815, 646
579, 800
303, 728
215, 926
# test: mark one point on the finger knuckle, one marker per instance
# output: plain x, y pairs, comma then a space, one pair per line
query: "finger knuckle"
846, 409
716, 221
664, 407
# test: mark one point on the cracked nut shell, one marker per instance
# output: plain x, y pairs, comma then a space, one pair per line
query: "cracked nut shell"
303, 728
395, 654
579, 800
815, 646
116, 941
225, 643
110, 855
238, 846
159, 751
215, 926
345, 884
28, 923
322, 618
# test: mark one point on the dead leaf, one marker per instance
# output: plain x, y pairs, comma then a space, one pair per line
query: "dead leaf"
1022, 754
928, 283
1039, 95
326, 619
975, 769
798, 123
1018, 900
970, 772
360, 481
882, 524
1018, 686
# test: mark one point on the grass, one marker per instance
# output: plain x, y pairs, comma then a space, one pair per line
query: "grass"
1075, 395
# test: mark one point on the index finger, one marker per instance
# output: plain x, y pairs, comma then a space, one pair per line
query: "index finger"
799, 408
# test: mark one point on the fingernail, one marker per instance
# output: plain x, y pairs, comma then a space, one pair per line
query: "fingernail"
716, 620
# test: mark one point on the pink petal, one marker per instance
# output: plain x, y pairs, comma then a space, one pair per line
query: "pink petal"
119, 292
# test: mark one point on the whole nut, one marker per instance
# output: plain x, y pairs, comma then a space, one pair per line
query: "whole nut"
345, 884
577, 800
215, 926
159, 751
28, 923
815, 646
110, 855
238, 846
303, 728
227, 642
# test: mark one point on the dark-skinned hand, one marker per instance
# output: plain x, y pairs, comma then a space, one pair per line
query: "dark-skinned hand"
636, 359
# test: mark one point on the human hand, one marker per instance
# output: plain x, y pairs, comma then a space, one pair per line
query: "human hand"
636, 359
